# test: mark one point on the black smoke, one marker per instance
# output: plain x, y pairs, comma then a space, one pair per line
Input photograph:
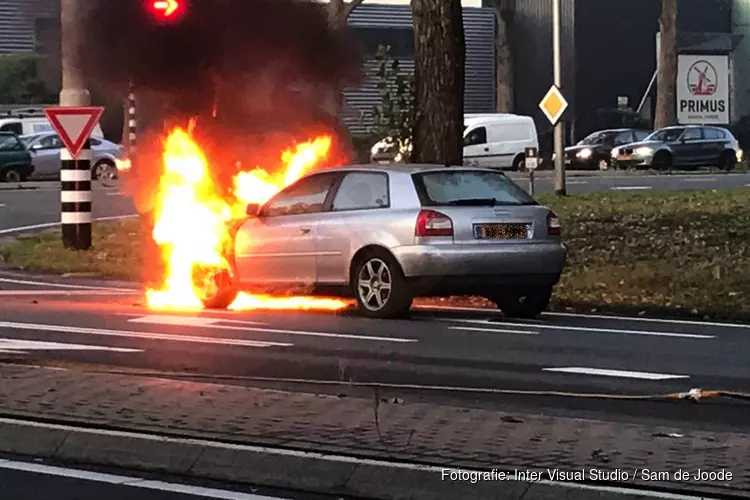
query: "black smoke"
218, 47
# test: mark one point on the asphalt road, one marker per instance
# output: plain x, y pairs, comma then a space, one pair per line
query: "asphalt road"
442, 356
39, 202
22, 480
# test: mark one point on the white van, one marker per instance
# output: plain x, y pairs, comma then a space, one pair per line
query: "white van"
32, 121
495, 140
498, 140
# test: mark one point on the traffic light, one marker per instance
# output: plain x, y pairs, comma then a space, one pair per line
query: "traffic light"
166, 11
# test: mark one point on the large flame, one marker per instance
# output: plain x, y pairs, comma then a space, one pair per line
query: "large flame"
191, 219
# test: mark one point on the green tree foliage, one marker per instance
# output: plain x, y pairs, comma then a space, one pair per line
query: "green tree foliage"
20, 82
394, 117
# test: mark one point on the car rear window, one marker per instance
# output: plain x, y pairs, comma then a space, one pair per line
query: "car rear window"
468, 187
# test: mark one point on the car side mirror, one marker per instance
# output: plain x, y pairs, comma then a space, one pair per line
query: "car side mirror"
252, 210
35, 147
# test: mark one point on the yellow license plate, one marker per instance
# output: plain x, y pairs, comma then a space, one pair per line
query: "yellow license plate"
503, 231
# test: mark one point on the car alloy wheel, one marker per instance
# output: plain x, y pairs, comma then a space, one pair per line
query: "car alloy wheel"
380, 287
374, 285
105, 171
215, 286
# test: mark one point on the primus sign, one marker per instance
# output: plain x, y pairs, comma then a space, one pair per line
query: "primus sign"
703, 89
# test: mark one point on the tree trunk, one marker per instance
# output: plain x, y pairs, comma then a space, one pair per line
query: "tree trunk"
667, 76
439, 65
504, 71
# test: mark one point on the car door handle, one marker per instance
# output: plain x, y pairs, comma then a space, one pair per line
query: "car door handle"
305, 230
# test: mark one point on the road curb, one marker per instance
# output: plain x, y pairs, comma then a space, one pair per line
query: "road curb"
282, 468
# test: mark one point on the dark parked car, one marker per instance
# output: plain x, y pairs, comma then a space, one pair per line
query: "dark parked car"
681, 146
594, 151
15, 159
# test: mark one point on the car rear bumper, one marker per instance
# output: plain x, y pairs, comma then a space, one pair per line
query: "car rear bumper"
462, 267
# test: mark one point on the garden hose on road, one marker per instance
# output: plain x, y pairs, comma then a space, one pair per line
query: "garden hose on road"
693, 395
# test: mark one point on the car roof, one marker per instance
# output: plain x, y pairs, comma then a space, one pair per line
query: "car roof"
407, 168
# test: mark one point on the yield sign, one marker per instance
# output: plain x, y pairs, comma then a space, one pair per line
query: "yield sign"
74, 125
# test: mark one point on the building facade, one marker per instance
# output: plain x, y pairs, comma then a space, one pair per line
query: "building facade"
374, 24
608, 50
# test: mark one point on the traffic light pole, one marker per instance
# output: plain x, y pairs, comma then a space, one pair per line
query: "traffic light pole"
75, 174
558, 131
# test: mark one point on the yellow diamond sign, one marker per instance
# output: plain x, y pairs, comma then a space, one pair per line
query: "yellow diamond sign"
553, 105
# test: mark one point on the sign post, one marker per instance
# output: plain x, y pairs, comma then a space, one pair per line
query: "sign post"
74, 125
532, 163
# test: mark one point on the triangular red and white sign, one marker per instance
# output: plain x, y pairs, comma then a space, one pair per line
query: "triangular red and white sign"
74, 125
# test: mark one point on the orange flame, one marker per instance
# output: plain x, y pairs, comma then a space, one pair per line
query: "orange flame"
191, 219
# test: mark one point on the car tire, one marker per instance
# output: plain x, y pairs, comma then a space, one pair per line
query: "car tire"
12, 175
728, 160
379, 285
519, 163
662, 161
215, 286
101, 167
523, 304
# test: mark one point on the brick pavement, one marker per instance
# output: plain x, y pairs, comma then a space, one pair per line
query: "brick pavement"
426, 433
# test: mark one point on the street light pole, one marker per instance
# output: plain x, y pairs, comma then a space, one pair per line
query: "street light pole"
558, 132
74, 92
75, 172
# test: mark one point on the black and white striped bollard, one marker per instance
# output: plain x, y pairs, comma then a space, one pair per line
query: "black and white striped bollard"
132, 125
75, 177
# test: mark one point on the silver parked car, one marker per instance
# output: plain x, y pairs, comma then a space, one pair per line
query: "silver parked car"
681, 146
45, 155
387, 233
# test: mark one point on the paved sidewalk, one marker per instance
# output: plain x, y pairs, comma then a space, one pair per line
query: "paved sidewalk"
425, 433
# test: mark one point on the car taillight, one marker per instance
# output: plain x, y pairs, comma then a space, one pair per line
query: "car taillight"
553, 225
432, 223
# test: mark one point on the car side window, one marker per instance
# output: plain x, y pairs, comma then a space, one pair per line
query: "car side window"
10, 143
692, 134
304, 197
713, 134
476, 136
50, 142
362, 191
625, 137
641, 135
16, 128
95, 142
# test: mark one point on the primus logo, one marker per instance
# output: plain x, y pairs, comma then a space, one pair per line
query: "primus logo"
703, 106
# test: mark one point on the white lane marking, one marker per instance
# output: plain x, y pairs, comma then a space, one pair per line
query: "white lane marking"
699, 179
9, 345
575, 182
139, 335
129, 481
647, 320
147, 319
2, 205
493, 330
115, 193
306, 455
581, 328
631, 188
47, 225
62, 285
199, 321
496, 312
615, 373
37, 293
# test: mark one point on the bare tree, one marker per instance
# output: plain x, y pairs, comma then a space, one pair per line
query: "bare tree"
439, 67
504, 87
667, 76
